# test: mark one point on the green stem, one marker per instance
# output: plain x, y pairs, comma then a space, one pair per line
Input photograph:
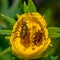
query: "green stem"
5, 51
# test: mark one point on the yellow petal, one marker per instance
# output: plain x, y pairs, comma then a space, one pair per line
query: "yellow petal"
36, 29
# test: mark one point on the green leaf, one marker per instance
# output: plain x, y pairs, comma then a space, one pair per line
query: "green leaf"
5, 51
26, 10
5, 32
48, 16
6, 54
54, 57
50, 58
4, 5
15, 5
54, 32
30, 7
9, 19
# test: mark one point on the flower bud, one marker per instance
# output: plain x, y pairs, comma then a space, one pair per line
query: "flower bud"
29, 37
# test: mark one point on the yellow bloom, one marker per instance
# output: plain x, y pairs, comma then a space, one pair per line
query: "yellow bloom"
29, 37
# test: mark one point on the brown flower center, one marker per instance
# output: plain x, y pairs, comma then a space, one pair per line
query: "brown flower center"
28, 38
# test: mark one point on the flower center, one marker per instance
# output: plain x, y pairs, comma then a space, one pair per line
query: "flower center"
30, 36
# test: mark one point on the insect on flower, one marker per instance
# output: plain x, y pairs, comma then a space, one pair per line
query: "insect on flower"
24, 29
38, 37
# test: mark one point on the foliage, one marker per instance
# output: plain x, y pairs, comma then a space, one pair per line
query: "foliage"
7, 20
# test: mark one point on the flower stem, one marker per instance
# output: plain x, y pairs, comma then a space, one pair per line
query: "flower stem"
5, 51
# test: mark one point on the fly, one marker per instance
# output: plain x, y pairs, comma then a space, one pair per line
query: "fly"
24, 28
38, 37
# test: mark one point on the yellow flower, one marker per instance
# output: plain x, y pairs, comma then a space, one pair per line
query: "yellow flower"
29, 37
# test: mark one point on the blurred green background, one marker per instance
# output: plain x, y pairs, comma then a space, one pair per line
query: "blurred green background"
49, 9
